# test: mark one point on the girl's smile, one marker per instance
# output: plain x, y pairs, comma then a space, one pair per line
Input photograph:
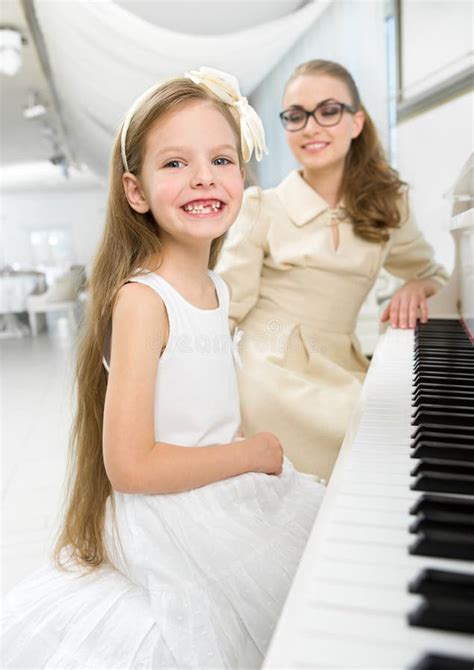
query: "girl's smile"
203, 208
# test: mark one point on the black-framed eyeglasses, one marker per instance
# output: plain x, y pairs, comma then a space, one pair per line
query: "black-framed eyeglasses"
327, 113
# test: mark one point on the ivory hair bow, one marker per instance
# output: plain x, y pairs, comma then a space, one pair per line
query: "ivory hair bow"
226, 88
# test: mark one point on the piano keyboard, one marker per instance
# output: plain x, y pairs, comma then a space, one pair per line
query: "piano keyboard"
380, 587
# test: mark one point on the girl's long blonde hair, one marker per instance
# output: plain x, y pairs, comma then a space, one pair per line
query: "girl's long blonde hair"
129, 239
371, 187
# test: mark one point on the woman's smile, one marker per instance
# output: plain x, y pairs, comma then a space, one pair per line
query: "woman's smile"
314, 147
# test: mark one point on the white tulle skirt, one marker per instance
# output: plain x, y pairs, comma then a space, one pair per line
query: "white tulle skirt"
199, 581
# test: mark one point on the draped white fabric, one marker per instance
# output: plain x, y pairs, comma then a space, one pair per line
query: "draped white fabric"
103, 56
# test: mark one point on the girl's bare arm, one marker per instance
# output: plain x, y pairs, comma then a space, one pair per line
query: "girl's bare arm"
134, 462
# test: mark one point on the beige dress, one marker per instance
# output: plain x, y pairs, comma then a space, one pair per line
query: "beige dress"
296, 298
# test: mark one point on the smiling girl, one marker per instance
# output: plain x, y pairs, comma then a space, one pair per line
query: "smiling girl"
180, 539
302, 258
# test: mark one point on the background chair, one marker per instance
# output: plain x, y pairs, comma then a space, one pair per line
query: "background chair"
62, 296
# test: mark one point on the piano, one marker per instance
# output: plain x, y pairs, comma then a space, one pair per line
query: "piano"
386, 581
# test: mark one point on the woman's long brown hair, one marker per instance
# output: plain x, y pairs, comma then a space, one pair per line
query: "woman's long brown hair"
371, 187
128, 240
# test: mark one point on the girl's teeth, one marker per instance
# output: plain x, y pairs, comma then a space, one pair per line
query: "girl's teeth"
201, 209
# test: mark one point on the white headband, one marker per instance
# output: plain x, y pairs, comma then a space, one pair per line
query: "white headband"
225, 87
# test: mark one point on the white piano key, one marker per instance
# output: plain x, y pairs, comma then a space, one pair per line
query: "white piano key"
394, 504
362, 573
372, 517
365, 534
383, 599
377, 489
388, 555
391, 479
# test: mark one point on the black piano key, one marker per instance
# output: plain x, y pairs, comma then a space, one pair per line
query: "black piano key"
449, 335
444, 614
442, 437
447, 367
457, 346
450, 395
426, 449
421, 525
445, 332
448, 516
444, 508
449, 420
425, 341
446, 412
422, 390
442, 352
428, 344
440, 325
427, 465
428, 385
457, 429
447, 376
444, 482
452, 380
456, 400
443, 662
444, 544
444, 356
438, 344
443, 583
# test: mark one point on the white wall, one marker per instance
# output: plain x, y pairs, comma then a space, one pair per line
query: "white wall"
432, 149
437, 37
351, 33
81, 211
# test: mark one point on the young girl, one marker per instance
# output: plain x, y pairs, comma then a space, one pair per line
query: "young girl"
180, 538
302, 258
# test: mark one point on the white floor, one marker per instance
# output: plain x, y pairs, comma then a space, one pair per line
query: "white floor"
36, 413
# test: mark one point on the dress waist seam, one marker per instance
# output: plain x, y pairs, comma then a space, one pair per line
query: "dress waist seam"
273, 321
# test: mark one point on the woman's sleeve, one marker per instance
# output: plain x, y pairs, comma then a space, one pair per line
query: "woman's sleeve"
410, 255
241, 258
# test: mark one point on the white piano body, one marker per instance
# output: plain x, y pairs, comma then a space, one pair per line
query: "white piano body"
347, 607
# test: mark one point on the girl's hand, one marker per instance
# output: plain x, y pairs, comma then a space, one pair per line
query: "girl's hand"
408, 301
266, 453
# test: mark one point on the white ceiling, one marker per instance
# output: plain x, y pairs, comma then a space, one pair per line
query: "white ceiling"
197, 17
27, 141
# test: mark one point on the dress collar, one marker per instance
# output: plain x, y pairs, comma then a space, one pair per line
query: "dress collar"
301, 201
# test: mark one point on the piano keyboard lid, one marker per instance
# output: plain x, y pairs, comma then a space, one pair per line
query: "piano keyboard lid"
456, 300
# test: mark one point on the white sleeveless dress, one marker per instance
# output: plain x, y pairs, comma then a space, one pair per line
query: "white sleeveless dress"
200, 577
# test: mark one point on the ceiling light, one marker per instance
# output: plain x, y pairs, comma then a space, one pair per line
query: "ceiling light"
34, 112
10, 51
35, 108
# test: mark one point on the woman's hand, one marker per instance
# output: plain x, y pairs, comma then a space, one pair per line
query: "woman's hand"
409, 301
266, 453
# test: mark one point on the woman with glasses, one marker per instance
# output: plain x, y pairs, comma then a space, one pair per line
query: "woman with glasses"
302, 258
